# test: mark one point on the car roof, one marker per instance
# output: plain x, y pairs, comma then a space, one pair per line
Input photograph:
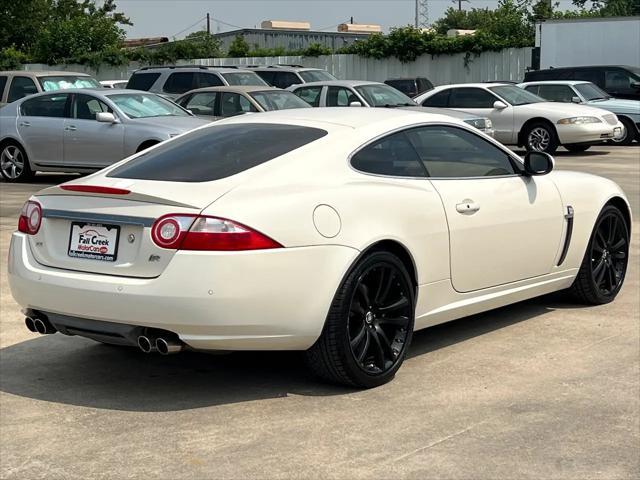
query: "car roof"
44, 73
472, 85
236, 89
339, 83
284, 68
104, 92
582, 66
189, 69
555, 82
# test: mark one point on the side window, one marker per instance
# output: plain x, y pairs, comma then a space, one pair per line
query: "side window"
439, 100
285, 79
590, 75
448, 152
617, 80
3, 82
202, 103
340, 97
311, 95
392, 155
45, 106
85, 107
179, 82
533, 89
556, 93
21, 87
471, 98
142, 81
208, 80
267, 76
234, 104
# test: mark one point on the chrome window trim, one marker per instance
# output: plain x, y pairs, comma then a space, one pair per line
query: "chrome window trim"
472, 130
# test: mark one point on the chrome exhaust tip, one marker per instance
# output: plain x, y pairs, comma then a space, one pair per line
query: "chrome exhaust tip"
168, 346
30, 324
43, 327
145, 344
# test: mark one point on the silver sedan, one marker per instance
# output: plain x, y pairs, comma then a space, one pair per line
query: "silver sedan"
83, 130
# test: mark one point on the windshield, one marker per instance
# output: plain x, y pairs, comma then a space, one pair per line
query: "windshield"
516, 95
384, 96
278, 100
316, 76
591, 92
145, 105
61, 82
243, 78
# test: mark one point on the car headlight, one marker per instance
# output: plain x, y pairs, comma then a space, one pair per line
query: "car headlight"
479, 123
579, 120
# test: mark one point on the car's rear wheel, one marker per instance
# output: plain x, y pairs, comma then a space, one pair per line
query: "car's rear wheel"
540, 137
604, 265
577, 148
14, 164
629, 132
369, 325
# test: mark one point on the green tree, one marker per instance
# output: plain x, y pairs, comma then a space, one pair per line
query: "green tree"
239, 47
610, 8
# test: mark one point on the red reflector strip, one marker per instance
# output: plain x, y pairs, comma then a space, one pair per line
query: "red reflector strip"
95, 189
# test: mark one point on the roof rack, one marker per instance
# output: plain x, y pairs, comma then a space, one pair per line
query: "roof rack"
294, 65
227, 66
203, 67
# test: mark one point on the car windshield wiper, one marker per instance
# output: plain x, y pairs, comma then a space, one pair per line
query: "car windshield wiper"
395, 105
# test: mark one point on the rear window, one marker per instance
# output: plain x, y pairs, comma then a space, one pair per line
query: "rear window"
243, 78
142, 81
217, 152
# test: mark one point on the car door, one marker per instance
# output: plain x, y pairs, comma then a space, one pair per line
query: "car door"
311, 95
556, 93
479, 101
20, 87
232, 104
203, 104
40, 125
87, 142
341, 97
503, 226
621, 84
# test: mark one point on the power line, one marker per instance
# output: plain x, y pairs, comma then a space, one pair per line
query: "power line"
189, 27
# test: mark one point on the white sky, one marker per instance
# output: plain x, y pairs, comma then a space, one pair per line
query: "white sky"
167, 18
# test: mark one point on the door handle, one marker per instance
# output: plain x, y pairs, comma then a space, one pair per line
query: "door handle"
467, 207
25, 124
70, 128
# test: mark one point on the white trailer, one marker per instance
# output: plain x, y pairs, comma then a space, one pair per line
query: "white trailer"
589, 41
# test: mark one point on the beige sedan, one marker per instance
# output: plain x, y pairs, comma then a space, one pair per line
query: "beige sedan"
214, 103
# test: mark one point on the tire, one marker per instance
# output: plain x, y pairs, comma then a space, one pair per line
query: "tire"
145, 145
630, 133
369, 325
577, 148
540, 137
604, 266
14, 163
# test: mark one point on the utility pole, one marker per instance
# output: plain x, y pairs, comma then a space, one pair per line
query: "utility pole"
422, 14
460, 3
208, 24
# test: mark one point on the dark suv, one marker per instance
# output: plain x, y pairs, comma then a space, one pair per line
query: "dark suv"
619, 81
411, 87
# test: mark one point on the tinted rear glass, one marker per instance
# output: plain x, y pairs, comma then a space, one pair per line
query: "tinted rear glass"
142, 81
217, 152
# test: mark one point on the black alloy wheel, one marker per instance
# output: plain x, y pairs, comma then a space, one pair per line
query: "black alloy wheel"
369, 325
605, 264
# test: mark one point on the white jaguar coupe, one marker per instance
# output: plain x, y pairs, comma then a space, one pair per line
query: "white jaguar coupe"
335, 231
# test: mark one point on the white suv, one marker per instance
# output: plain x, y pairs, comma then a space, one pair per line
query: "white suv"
172, 81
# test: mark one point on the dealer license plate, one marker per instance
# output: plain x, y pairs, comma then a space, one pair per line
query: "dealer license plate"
94, 241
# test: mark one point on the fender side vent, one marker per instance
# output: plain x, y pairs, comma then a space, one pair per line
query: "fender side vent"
567, 239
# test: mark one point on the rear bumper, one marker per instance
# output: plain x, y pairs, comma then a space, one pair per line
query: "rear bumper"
590, 133
261, 300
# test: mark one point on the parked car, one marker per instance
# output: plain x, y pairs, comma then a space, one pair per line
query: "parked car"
619, 81
81, 130
411, 87
173, 81
524, 119
587, 93
283, 76
213, 103
114, 83
313, 230
15, 85
361, 93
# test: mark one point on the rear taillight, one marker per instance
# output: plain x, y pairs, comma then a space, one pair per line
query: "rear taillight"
197, 232
30, 218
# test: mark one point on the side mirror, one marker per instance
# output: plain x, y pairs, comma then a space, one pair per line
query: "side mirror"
576, 100
355, 104
498, 105
106, 117
538, 163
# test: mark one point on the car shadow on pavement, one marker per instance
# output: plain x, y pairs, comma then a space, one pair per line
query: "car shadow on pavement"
76, 371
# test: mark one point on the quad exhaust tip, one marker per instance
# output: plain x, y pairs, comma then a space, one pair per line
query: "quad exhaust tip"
146, 344
167, 346
39, 325
30, 324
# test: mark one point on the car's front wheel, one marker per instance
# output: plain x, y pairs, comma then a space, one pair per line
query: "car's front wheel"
629, 133
369, 325
14, 164
604, 266
540, 137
